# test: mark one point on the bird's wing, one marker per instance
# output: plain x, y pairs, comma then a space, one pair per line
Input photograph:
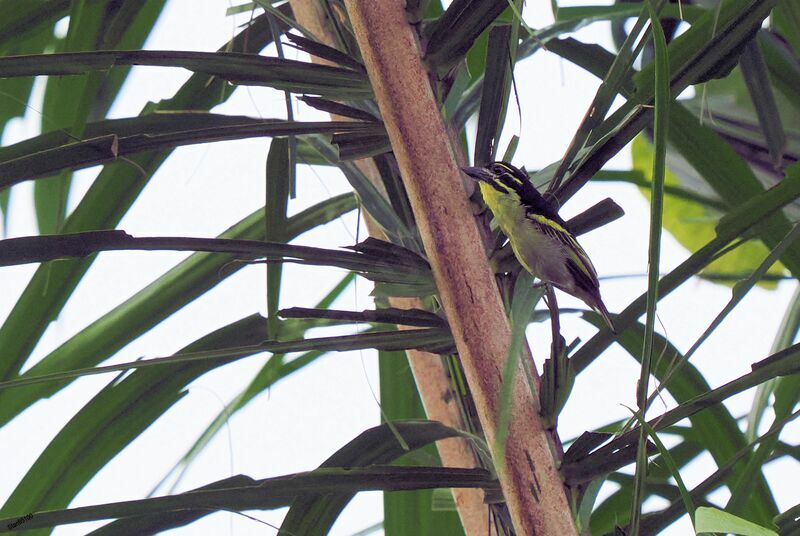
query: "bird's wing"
583, 279
575, 253
583, 263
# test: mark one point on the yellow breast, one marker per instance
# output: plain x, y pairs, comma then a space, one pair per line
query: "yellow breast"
506, 208
535, 251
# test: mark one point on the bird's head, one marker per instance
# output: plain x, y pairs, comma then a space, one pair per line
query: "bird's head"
501, 179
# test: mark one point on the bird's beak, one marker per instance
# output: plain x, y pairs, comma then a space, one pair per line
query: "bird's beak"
478, 173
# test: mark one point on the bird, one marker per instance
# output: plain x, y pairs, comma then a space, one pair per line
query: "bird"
539, 237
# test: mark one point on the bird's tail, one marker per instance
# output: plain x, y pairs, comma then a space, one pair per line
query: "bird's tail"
600, 307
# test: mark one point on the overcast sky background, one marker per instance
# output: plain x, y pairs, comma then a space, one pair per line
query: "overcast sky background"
202, 190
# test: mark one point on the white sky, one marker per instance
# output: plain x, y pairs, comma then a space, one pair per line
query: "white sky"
202, 190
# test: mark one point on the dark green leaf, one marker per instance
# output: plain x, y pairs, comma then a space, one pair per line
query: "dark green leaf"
429, 340
615, 509
396, 192
235, 67
17, 91
688, 13
261, 494
374, 259
660, 127
696, 55
337, 108
522, 304
636, 177
27, 18
102, 207
787, 331
596, 216
277, 199
752, 212
784, 67
714, 159
754, 71
787, 394
314, 513
179, 286
789, 520
658, 520
718, 165
315, 48
781, 363
357, 145
112, 419
72, 101
494, 97
372, 199
306, 154
672, 467
388, 315
786, 17
275, 369
410, 513
616, 78
463, 104
155, 134
451, 36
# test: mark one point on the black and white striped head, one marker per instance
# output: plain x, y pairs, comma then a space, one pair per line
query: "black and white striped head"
510, 180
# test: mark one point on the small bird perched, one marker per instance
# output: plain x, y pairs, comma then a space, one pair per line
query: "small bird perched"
538, 235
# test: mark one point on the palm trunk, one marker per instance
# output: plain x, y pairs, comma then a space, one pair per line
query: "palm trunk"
530, 480
430, 374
